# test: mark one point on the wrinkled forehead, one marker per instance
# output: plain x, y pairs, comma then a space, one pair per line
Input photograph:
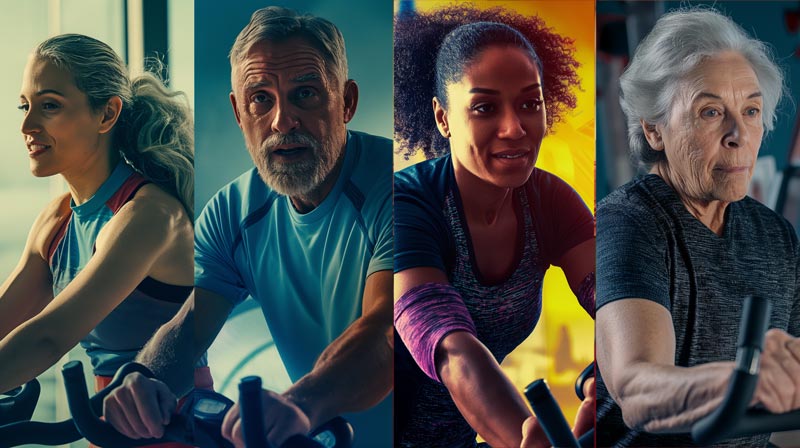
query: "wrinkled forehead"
727, 74
290, 58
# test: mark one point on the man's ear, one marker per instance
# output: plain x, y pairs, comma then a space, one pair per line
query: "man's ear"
350, 99
235, 109
440, 114
111, 112
653, 135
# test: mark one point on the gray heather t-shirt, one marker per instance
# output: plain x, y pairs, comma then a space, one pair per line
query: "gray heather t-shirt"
649, 246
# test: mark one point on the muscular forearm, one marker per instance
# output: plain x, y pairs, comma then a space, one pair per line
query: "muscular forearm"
172, 352
352, 374
27, 352
480, 390
658, 398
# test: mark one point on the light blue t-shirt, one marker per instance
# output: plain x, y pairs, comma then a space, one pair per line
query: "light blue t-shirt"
307, 271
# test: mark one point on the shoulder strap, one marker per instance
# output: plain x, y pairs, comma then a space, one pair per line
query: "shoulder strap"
126, 192
58, 232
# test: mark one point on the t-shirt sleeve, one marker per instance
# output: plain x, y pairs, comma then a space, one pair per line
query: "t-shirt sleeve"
420, 232
562, 217
382, 234
214, 266
631, 256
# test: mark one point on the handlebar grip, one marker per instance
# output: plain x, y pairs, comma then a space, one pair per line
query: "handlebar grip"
550, 416
723, 421
584, 376
20, 403
98, 431
251, 412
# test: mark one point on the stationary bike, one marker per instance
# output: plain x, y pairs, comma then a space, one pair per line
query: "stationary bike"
198, 423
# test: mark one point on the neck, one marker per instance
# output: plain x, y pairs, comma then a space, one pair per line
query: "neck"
711, 213
486, 201
84, 181
305, 203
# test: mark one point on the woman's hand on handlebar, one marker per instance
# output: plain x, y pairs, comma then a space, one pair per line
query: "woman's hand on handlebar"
282, 419
140, 407
585, 418
533, 435
778, 388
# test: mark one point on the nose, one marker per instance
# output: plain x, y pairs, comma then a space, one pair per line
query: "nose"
736, 134
285, 119
511, 126
30, 124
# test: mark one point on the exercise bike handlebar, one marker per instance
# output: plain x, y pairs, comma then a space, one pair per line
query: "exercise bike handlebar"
87, 420
732, 418
19, 403
339, 432
86, 412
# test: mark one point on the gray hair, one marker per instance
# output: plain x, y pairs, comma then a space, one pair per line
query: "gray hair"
275, 23
154, 132
679, 42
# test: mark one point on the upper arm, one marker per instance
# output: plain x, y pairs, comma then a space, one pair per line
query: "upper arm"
215, 268
629, 332
578, 263
632, 258
126, 250
211, 310
420, 232
28, 289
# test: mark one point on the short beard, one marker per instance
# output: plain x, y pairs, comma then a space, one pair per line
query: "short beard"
300, 177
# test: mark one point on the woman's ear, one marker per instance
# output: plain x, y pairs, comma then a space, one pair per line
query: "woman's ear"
440, 114
653, 135
110, 114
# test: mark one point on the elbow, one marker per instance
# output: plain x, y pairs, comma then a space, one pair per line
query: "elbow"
634, 405
461, 359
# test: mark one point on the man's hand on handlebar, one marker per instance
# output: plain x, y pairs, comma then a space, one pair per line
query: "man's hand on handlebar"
140, 407
533, 435
778, 388
282, 419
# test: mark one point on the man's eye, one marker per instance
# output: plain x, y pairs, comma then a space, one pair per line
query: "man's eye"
305, 93
259, 98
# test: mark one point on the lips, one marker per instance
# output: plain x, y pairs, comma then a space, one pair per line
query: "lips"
733, 169
511, 154
36, 148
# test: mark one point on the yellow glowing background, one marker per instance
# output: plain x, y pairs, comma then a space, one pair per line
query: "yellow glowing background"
563, 341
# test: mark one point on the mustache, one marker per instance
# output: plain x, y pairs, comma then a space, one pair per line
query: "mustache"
295, 138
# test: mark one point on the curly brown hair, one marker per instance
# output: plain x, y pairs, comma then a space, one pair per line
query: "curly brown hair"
417, 41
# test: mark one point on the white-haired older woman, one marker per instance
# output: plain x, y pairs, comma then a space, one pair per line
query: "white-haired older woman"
681, 247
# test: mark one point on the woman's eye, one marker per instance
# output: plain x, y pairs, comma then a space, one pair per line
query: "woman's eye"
49, 106
483, 108
23, 107
532, 105
753, 111
710, 113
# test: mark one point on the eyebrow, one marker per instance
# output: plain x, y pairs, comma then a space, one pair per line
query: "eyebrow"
267, 83
45, 92
306, 77
497, 92
717, 97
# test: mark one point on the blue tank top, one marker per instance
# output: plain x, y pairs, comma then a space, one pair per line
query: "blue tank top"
122, 334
